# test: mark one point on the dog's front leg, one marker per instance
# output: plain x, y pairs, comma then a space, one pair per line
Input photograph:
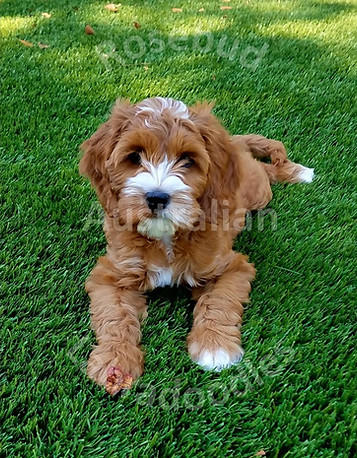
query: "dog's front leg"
116, 308
214, 341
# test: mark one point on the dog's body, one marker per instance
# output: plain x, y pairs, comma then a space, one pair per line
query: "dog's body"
175, 187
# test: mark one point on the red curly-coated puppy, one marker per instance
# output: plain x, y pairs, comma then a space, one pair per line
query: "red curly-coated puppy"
175, 187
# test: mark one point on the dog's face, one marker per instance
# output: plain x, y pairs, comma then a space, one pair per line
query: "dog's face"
159, 167
154, 164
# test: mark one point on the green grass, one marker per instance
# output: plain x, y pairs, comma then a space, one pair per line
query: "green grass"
295, 393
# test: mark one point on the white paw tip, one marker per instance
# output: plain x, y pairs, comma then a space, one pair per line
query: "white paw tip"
306, 175
218, 359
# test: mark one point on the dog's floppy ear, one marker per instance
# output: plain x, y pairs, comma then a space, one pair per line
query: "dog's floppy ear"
98, 149
223, 175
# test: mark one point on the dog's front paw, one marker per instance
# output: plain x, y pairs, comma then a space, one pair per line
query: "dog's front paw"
214, 352
115, 366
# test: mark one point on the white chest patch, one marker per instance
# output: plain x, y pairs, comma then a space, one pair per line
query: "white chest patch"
164, 276
160, 276
190, 280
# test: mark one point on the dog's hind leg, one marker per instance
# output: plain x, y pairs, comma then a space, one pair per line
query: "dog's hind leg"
281, 169
261, 147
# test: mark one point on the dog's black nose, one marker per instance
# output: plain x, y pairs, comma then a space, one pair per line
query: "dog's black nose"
157, 200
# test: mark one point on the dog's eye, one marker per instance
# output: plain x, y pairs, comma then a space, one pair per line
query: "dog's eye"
186, 161
135, 158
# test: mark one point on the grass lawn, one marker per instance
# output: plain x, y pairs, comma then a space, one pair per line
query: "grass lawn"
284, 69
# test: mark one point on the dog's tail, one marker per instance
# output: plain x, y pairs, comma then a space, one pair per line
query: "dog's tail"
289, 172
280, 168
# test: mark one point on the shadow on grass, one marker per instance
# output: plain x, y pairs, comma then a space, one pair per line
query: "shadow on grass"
303, 10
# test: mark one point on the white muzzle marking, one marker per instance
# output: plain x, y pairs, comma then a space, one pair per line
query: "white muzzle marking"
156, 178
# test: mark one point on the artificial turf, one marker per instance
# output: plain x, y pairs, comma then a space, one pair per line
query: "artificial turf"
294, 394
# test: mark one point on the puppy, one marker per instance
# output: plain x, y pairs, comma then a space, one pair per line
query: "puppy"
175, 187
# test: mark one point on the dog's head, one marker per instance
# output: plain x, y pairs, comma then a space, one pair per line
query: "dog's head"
158, 165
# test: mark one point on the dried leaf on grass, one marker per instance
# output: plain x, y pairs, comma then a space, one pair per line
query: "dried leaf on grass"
136, 25
201, 10
113, 7
260, 453
176, 10
26, 43
223, 8
43, 45
117, 380
46, 15
89, 30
